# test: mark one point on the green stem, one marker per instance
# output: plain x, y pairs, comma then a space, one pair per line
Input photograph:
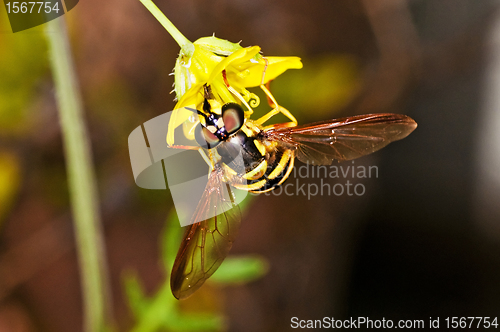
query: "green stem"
186, 46
81, 180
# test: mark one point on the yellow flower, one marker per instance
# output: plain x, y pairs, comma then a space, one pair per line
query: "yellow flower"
244, 68
205, 61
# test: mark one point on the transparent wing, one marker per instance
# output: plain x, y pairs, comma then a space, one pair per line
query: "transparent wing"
206, 243
342, 139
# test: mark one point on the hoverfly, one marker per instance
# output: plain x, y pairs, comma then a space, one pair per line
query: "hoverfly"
268, 155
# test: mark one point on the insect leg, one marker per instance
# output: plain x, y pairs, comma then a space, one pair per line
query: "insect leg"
237, 94
276, 109
272, 101
208, 159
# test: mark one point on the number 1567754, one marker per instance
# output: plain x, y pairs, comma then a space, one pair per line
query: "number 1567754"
31, 7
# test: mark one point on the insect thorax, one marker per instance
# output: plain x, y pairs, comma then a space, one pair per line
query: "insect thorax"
266, 164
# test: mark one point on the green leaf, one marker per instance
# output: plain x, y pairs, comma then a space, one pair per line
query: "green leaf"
240, 270
170, 240
135, 294
159, 312
197, 322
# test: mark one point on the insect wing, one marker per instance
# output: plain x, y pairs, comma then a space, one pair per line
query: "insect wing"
343, 139
206, 243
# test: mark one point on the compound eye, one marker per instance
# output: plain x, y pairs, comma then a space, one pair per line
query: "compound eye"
205, 138
233, 117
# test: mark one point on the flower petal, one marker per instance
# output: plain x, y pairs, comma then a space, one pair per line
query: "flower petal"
218, 46
192, 98
237, 58
249, 74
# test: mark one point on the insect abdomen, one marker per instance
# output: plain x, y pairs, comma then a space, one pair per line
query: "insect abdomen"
279, 167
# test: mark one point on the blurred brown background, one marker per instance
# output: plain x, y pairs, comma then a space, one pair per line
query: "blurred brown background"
424, 240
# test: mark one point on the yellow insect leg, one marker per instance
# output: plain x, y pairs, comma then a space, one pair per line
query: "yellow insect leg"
276, 109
